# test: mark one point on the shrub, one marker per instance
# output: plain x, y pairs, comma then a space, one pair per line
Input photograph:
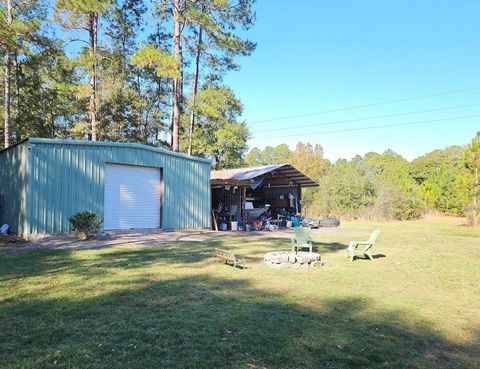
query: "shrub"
86, 224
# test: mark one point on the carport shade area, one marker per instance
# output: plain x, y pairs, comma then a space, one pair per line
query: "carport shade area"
278, 185
45, 181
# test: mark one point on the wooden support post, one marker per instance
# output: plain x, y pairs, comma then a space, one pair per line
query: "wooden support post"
299, 198
214, 221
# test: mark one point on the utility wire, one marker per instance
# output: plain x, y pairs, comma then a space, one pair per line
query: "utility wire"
375, 127
366, 105
366, 118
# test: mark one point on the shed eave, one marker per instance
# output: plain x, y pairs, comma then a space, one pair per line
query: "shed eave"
34, 140
15, 144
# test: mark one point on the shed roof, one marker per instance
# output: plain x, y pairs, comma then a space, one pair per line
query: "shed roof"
34, 140
275, 175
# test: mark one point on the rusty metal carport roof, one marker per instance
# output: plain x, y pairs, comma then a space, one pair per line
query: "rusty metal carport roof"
228, 182
272, 175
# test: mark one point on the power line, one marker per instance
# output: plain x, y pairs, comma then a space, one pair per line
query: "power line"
375, 127
366, 105
367, 118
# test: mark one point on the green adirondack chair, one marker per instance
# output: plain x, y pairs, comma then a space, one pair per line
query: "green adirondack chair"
302, 239
367, 251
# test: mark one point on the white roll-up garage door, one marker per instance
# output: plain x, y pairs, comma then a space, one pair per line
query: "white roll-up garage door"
132, 197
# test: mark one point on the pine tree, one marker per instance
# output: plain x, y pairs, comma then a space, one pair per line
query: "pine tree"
84, 15
203, 35
19, 26
212, 37
8, 51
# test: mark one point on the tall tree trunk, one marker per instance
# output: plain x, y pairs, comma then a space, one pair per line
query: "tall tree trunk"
177, 82
7, 99
475, 196
195, 88
93, 32
7, 80
16, 99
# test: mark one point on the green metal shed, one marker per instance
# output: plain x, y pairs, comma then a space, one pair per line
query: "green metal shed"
44, 181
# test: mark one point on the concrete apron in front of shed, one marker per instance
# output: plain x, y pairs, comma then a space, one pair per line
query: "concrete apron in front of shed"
148, 238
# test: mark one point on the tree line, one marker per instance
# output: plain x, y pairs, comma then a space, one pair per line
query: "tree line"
149, 71
152, 71
385, 186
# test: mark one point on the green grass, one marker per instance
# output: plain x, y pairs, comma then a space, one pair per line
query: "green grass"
178, 307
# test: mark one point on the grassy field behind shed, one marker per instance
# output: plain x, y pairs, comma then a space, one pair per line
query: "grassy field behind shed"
417, 305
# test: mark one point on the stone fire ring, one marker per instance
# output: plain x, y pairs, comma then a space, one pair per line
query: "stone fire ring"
299, 259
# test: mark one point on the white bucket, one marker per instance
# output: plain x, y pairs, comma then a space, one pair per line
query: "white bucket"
234, 226
289, 224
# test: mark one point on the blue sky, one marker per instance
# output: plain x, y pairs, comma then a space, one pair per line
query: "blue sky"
314, 56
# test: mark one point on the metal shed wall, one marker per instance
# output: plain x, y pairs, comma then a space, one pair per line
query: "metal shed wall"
66, 177
13, 187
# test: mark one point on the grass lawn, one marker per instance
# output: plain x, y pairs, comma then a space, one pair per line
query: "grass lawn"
178, 307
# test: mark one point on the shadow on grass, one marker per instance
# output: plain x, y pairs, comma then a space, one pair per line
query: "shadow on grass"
285, 244
329, 247
42, 262
48, 261
205, 322
365, 257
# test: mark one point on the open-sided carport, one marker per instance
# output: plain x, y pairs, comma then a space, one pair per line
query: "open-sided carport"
278, 185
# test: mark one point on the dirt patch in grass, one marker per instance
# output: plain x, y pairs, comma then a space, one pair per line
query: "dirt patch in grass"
9, 244
106, 240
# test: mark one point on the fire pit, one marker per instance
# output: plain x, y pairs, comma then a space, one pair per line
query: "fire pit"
298, 259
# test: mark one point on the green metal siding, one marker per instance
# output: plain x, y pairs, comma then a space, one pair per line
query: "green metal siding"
13, 187
66, 177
